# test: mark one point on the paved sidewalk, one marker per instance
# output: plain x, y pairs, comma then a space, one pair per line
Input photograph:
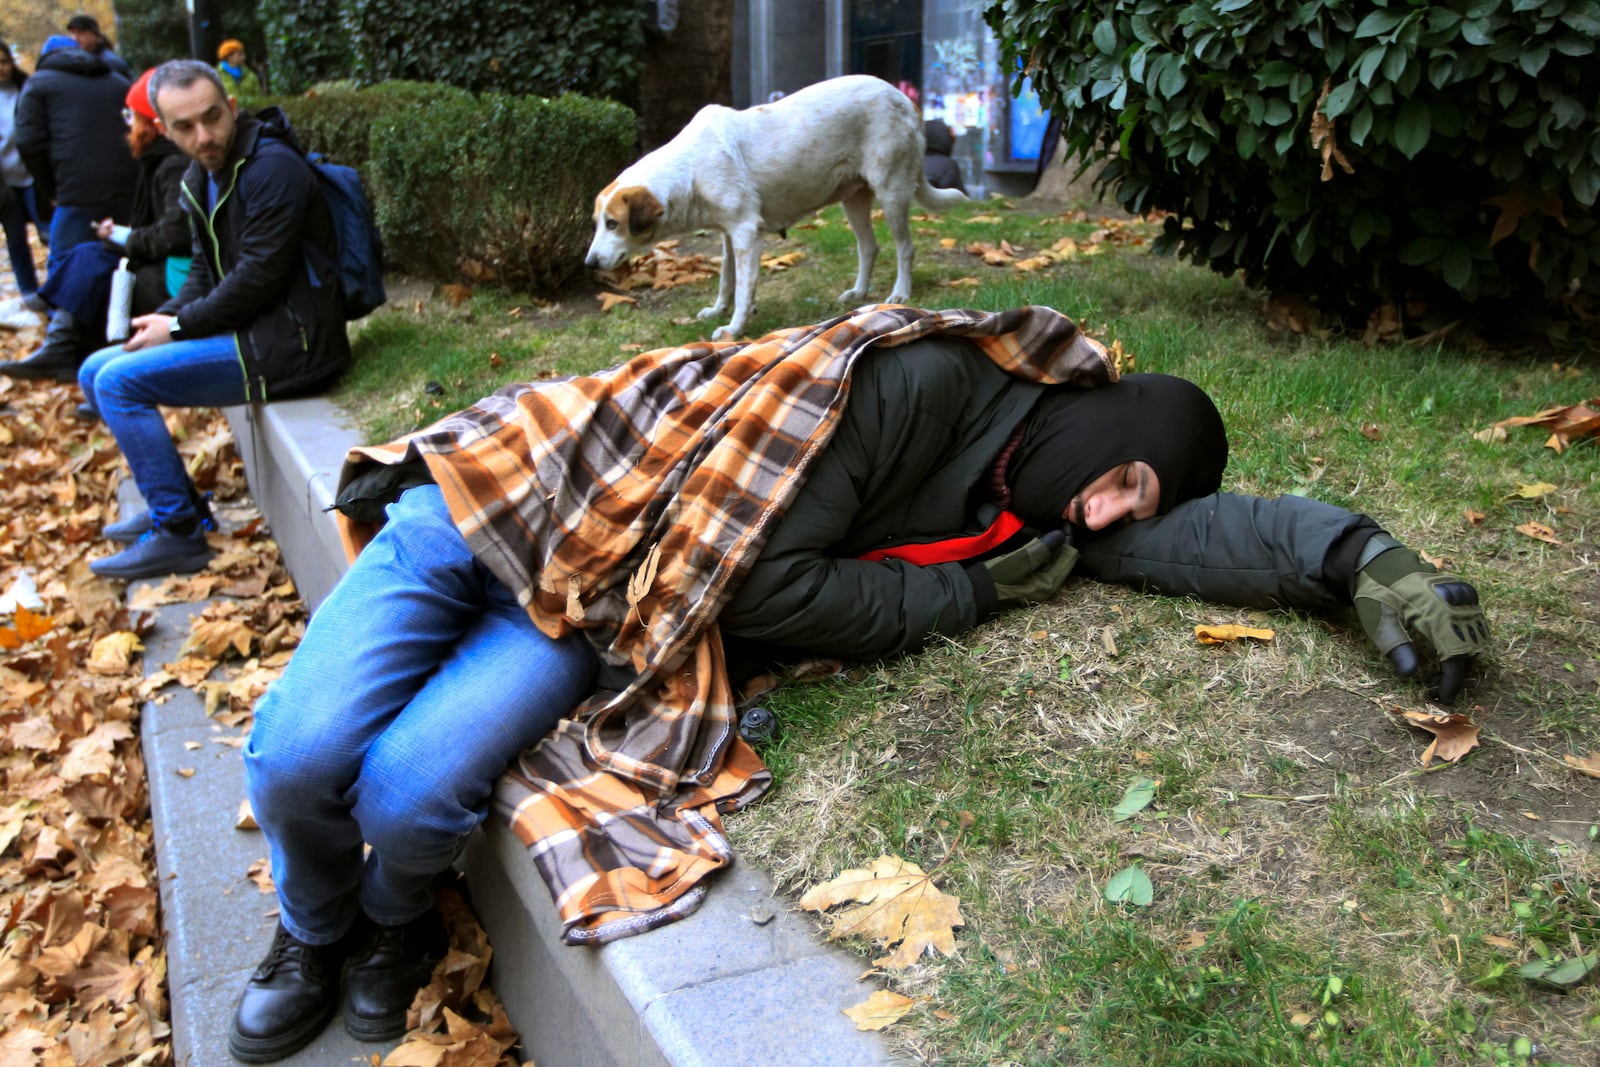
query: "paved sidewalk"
218, 924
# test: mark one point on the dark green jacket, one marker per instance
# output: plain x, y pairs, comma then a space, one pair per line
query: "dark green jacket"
910, 462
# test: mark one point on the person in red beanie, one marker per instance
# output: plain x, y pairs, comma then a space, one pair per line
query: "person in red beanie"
156, 244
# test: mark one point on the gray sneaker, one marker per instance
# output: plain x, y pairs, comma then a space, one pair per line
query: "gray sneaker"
158, 552
128, 530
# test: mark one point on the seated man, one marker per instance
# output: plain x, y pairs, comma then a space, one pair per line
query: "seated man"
259, 315
850, 489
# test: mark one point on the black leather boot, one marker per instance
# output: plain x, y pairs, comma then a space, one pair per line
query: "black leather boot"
57, 358
288, 1000
383, 976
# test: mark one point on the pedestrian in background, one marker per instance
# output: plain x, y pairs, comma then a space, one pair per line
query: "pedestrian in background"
238, 80
70, 133
85, 30
16, 196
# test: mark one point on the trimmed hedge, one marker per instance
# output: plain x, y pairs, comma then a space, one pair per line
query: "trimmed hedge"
336, 119
1444, 150
505, 183
491, 188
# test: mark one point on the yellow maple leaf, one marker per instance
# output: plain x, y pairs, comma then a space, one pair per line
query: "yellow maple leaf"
880, 1010
113, 653
947, 242
1534, 490
1221, 633
896, 901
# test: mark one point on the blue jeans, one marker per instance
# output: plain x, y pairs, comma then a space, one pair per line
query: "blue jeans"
419, 680
69, 227
15, 218
123, 388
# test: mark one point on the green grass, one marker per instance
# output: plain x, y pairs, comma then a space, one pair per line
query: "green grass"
1319, 897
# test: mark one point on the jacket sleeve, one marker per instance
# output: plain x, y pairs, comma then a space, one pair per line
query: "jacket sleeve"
1248, 551
799, 596
277, 194
169, 234
32, 141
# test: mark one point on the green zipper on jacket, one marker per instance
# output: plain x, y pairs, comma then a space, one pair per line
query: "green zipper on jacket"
216, 258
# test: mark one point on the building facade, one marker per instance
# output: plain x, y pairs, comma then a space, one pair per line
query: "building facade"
939, 52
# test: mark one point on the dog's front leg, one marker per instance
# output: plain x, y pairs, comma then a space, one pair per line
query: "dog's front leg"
724, 284
746, 258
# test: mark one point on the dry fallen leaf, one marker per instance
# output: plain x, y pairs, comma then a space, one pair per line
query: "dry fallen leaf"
1539, 532
1221, 633
113, 654
1474, 517
1534, 490
882, 1009
783, 262
611, 300
1454, 735
896, 901
1589, 764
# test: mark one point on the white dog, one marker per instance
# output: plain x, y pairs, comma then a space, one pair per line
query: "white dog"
763, 168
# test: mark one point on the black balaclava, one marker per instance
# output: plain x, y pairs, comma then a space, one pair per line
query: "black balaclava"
1075, 435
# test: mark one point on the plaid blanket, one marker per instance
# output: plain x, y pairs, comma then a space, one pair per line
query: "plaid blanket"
628, 505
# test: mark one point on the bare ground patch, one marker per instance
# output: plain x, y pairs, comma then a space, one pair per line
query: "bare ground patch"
1516, 781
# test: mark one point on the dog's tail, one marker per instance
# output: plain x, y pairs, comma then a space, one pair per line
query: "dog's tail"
934, 199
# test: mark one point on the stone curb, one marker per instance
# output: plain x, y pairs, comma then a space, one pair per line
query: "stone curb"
726, 985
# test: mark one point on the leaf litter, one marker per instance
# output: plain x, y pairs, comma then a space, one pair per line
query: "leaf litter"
83, 964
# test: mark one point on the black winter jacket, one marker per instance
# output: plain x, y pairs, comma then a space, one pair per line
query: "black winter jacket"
264, 264
159, 226
909, 463
71, 135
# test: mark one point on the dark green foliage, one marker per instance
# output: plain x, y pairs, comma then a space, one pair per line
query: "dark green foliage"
501, 182
527, 47
491, 186
307, 42
152, 31
1470, 128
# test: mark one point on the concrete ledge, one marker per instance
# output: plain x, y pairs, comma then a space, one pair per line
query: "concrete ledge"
716, 988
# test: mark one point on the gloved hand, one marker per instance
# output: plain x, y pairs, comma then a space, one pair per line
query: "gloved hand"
1397, 594
1032, 573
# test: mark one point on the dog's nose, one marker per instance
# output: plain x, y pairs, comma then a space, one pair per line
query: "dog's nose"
591, 261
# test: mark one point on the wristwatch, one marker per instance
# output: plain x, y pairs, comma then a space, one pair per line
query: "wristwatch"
176, 330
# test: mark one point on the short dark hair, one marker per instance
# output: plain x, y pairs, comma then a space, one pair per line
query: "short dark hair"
180, 74
83, 22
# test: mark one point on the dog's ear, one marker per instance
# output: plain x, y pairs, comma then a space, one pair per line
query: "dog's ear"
644, 210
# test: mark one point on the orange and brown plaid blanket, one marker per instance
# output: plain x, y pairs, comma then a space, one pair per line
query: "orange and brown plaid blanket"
629, 504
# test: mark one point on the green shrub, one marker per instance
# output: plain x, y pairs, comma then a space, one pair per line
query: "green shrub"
336, 118
497, 187
1468, 127
527, 47
307, 42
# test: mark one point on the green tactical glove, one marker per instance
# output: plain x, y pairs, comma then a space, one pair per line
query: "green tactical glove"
1397, 594
1033, 573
